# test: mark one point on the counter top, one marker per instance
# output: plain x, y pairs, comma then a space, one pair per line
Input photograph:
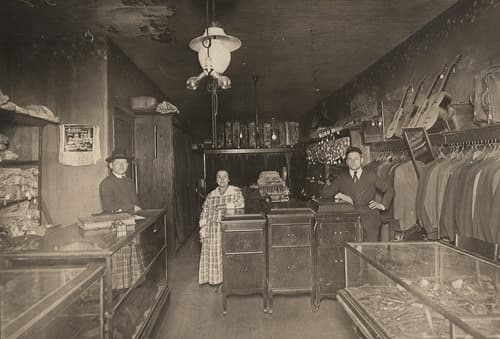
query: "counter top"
289, 207
71, 240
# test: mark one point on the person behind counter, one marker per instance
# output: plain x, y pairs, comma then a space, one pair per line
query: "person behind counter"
358, 187
117, 191
118, 195
223, 197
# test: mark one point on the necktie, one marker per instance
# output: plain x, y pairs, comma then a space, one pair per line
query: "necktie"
355, 177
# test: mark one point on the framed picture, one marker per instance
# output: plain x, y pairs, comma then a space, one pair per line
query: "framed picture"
419, 144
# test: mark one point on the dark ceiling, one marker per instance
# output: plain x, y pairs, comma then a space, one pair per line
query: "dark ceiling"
301, 50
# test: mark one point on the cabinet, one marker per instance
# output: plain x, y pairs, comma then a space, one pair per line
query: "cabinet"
420, 290
52, 302
332, 230
164, 173
243, 255
135, 280
290, 249
24, 191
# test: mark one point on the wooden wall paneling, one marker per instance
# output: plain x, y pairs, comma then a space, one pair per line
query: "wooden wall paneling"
184, 185
163, 173
123, 135
144, 159
74, 89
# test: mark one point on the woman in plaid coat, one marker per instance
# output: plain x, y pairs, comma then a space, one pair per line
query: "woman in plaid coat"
223, 197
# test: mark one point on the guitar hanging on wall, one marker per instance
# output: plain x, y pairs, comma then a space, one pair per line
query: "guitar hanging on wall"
391, 130
408, 112
438, 103
423, 107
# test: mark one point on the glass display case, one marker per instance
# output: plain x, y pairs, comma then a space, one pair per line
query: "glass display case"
135, 280
52, 302
420, 290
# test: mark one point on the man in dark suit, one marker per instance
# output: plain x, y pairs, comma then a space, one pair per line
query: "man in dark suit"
358, 187
117, 191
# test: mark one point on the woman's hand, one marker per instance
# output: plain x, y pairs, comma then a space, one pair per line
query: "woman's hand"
203, 233
344, 197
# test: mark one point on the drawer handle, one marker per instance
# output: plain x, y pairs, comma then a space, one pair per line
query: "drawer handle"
292, 236
244, 269
339, 261
291, 267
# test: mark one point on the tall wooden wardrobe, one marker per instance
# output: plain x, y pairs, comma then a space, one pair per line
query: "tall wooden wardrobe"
164, 172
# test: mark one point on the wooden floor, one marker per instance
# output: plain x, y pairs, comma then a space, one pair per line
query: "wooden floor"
196, 311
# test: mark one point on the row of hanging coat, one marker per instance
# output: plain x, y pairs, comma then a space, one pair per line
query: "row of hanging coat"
396, 167
458, 193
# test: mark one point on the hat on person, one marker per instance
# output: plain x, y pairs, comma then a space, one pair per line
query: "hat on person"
118, 154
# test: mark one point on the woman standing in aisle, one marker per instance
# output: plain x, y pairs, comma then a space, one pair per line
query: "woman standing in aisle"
221, 198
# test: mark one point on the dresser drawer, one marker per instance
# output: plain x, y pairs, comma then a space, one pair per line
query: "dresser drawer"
331, 269
290, 268
335, 234
289, 219
247, 241
292, 235
243, 271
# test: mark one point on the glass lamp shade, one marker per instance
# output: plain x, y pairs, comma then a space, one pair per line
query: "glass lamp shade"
216, 58
214, 49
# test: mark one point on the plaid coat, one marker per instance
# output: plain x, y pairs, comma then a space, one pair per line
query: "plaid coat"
211, 246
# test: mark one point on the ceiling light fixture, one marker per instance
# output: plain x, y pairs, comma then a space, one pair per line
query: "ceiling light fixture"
214, 49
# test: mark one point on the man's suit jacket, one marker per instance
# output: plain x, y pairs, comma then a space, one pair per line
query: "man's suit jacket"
362, 192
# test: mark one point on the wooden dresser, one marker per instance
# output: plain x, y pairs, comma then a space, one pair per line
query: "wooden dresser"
298, 249
243, 255
332, 230
290, 250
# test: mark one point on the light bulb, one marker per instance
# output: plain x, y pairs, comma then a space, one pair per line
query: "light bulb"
224, 82
192, 83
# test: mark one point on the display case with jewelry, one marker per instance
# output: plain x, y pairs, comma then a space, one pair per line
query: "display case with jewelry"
420, 290
135, 271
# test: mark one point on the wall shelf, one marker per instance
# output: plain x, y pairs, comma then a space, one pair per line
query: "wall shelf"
250, 151
15, 163
243, 153
486, 134
12, 117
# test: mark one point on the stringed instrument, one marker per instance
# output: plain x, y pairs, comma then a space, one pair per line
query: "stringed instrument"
389, 133
426, 103
408, 112
438, 103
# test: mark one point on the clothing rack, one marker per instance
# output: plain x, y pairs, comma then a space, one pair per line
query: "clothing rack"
473, 136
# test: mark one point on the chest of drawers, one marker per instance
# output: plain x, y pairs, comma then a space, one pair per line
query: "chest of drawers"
243, 256
290, 251
332, 231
